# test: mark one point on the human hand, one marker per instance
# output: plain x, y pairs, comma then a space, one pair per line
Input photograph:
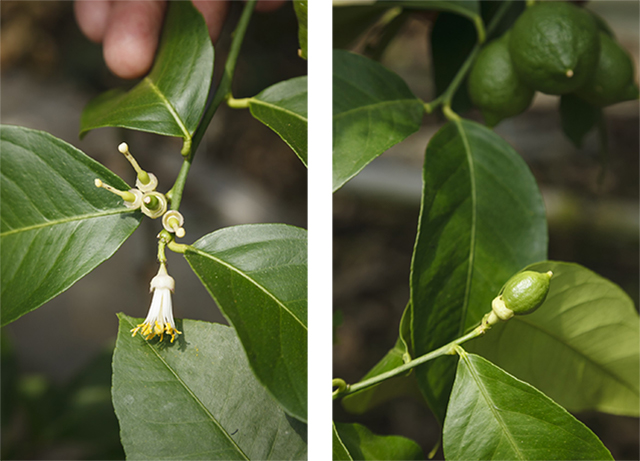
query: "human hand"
130, 30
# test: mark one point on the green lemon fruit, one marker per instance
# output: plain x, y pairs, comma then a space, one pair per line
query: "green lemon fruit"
526, 291
613, 80
554, 47
493, 85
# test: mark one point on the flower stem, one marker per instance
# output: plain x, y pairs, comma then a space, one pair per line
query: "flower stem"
222, 92
238, 103
447, 349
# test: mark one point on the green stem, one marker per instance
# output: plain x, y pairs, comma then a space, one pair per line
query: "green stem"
447, 349
447, 96
238, 103
222, 92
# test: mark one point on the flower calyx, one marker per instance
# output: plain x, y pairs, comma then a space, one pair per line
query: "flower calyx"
159, 320
522, 294
172, 221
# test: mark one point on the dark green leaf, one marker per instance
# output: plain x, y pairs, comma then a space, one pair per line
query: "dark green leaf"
56, 225
257, 274
340, 452
283, 108
578, 117
493, 415
362, 444
373, 109
580, 347
171, 99
196, 399
452, 39
482, 220
300, 7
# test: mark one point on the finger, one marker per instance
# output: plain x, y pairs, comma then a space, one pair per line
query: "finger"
92, 16
131, 38
265, 6
214, 14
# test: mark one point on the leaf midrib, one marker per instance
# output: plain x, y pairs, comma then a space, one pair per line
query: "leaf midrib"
489, 403
169, 107
254, 282
65, 220
190, 392
278, 108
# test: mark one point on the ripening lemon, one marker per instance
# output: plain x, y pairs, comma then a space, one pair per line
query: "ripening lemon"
613, 80
494, 86
554, 47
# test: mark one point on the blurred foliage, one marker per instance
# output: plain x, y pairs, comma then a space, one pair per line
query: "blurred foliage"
45, 420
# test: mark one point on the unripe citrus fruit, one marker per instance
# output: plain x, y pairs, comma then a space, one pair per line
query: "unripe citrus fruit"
526, 291
554, 47
613, 80
494, 86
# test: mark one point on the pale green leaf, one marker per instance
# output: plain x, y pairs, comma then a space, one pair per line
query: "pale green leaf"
362, 444
581, 347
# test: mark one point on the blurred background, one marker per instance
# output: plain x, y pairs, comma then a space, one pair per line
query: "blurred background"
592, 221
56, 360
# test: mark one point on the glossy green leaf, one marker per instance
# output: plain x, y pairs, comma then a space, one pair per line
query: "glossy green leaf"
56, 226
373, 109
171, 99
283, 108
493, 415
482, 220
578, 117
340, 452
362, 444
300, 7
257, 274
581, 347
196, 399
373, 396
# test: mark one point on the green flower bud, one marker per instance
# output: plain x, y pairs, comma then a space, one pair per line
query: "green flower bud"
522, 294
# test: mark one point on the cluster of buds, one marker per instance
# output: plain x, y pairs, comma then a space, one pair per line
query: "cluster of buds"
145, 197
159, 321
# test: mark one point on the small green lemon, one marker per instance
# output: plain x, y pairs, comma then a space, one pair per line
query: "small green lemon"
494, 86
554, 47
526, 291
613, 80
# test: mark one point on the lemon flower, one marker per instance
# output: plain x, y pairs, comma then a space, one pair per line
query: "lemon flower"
159, 321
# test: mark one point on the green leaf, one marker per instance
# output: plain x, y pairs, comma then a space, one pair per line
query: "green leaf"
373, 396
257, 274
283, 108
482, 220
171, 99
300, 7
362, 444
196, 399
340, 452
580, 347
373, 109
493, 415
56, 226
578, 117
